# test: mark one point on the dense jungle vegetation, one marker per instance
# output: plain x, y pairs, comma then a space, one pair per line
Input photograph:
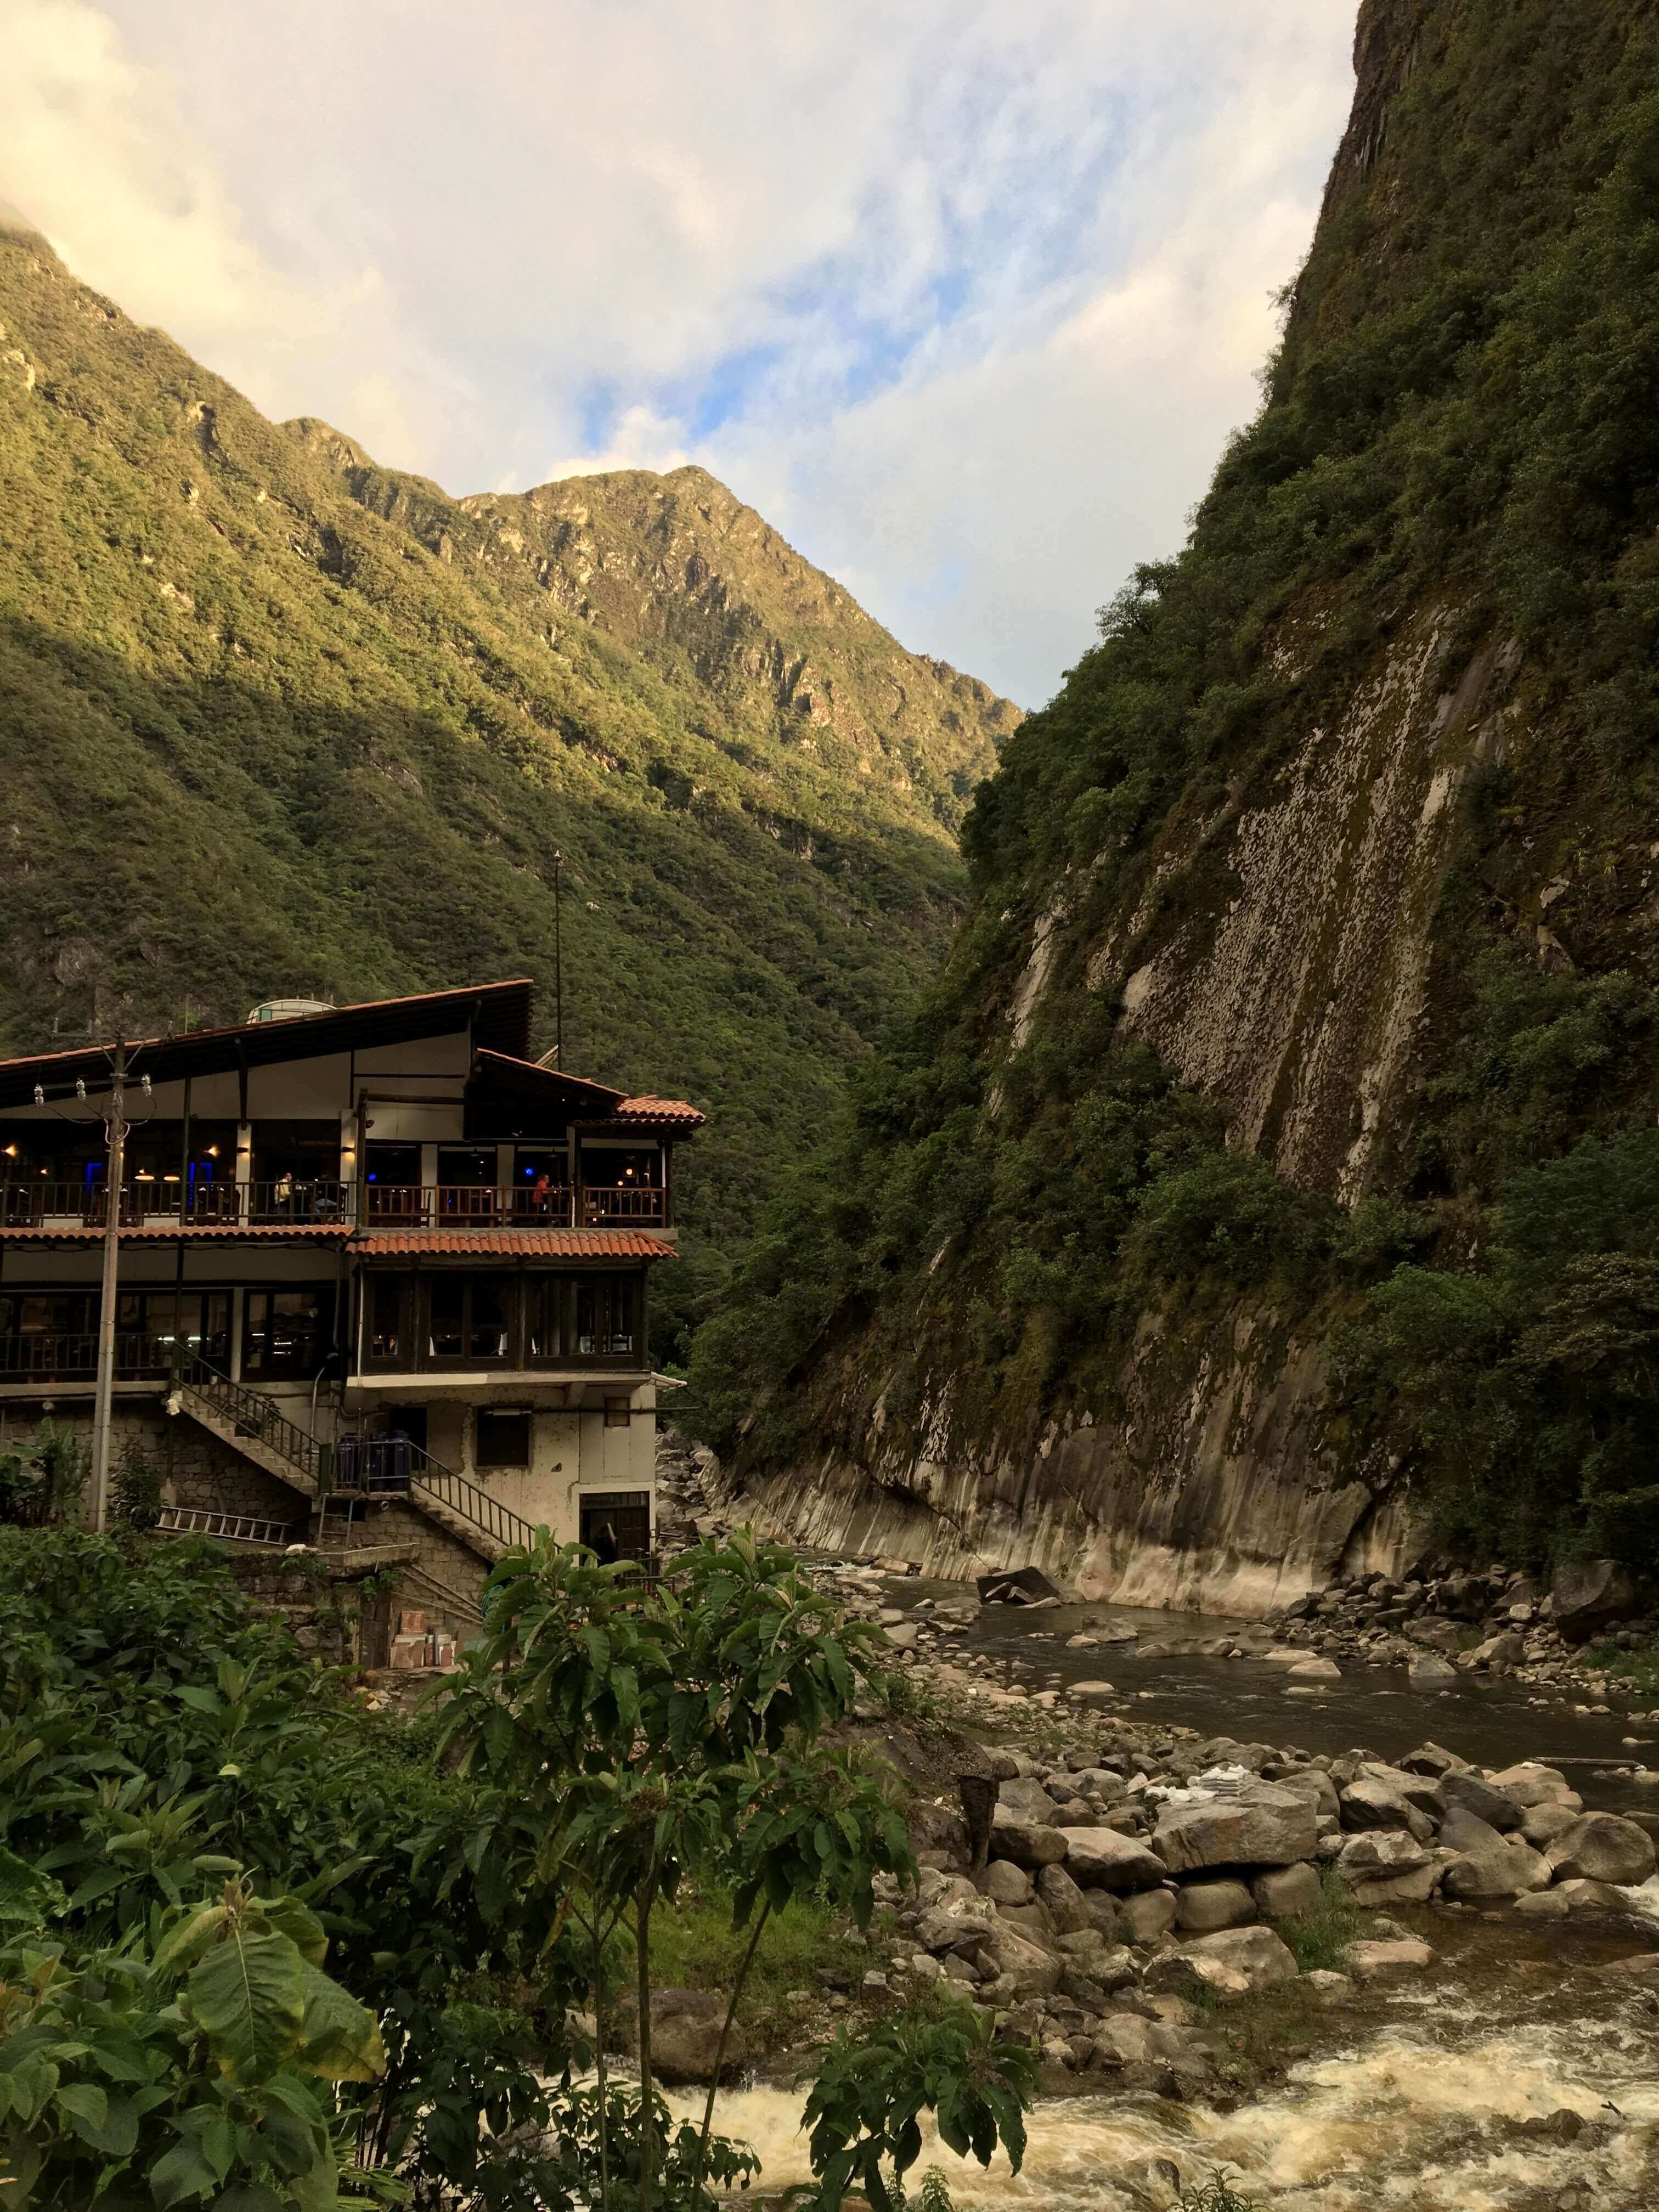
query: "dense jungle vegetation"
276, 720
1462, 415
262, 1951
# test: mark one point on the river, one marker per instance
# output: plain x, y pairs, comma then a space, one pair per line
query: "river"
1495, 1721
1445, 2094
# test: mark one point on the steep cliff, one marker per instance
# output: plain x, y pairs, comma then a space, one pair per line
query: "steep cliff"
1228, 1209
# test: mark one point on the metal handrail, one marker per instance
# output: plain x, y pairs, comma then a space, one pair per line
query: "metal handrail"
254, 1415
391, 1466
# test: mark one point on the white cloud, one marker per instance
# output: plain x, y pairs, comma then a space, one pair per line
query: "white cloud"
963, 296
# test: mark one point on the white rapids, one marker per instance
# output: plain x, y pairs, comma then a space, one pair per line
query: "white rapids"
1424, 2117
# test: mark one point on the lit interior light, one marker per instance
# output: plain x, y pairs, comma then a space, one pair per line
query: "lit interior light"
213, 1151
11, 1151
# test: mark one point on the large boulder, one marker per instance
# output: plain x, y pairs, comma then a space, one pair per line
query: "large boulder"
1030, 1970
1029, 1843
685, 2035
1544, 1823
1476, 1795
955, 1923
1589, 1594
1370, 1802
1508, 1871
1108, 1966
1236, 1963
1024, 1798
1286, 1893
1531, 1784
1264, 1826
1601, 1847
1201, 1907
1100, 1858
1147, 1915
1068, 1908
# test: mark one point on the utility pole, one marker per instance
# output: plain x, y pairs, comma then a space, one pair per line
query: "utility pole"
558, 958
117, 1127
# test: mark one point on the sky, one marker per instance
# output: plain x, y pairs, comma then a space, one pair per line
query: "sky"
963, 295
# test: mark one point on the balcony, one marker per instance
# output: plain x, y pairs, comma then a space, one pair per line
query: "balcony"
39, 1359
325, 1202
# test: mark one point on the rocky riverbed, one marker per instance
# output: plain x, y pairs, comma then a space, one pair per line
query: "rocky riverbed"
1419, 1980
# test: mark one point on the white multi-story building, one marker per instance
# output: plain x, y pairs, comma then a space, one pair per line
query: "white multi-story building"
376, 1265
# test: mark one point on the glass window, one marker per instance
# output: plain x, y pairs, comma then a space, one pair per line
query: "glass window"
487, 1323
545, 1296
287, 1332
448, 1294
470, 1317
503, 1438
385, 1317
606, 1316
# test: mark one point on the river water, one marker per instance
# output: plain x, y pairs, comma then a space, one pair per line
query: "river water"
1497, 1722
1427, 2110
1441, 2095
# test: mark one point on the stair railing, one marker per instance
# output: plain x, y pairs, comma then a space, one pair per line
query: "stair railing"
395, 1466
253, 1414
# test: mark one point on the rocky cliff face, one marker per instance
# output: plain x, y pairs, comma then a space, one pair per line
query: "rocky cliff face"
1346, 753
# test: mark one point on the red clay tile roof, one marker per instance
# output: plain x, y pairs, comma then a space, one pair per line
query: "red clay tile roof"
516, 1244
645, 1108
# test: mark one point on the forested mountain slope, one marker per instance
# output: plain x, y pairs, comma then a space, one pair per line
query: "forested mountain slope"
277, 719
1273, 1168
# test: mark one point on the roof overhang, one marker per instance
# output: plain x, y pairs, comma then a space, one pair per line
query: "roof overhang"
498, 1013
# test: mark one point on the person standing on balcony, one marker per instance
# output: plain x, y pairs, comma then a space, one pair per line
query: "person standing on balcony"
541, 1191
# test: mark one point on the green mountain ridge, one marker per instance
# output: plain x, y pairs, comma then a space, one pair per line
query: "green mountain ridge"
1273, 1173
277, 719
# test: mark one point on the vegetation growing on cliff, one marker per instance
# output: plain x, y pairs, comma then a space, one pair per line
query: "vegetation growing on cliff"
1462, 416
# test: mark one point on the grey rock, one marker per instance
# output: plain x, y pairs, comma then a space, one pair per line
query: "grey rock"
1369, 1961
1202, 1907
1508, 1871
1478, 1796
1265, 1824
1148, 1917
1068, 1908
1286, 1893
1588, 1595
1029, 1843
1544, 1823
685, 2035
1601, 1847
1004, 1883
1100, 1858
1236, 1963
1369, 1803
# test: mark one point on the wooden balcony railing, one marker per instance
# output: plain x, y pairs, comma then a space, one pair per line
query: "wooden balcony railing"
326, 1202
40, 1358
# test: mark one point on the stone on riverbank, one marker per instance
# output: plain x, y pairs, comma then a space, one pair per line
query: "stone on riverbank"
1235, 1964
1068, 1908
1202, 1907
1100, 1858
1369, 1801
1395, 1955
1263, 1826
1506, 1870
685, 2035
1286, 1893
1601, 1847
1476, 1796
1427, 1670
1589, 1594
1148, 1917
1028, 1843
